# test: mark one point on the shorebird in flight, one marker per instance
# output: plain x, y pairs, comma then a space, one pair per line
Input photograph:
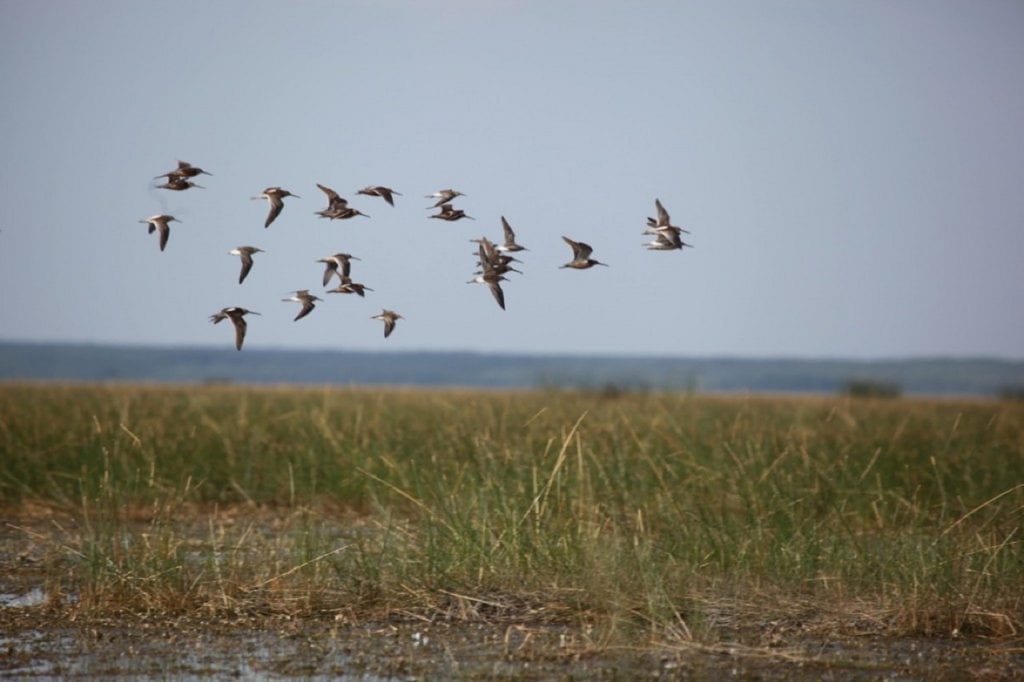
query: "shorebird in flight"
389, 317
379, 191
339, 264
444, 196
347, 286
160, 222
668, 238
493, 279
663, 221
245, 253
275, 197
489, 257
236, 316
510, 238
306, 299
178, 184
340, 212
581, 259
184, 170
450, 214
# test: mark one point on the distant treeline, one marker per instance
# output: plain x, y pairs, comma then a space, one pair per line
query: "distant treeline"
83, 362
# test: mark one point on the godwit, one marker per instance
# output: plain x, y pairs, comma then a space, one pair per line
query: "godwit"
184, 170
347, 286
245, 253
666, 238
489, 258
306, 299
379, 191
275, 197
510, 238
581, 259
236, 316
389, 318
333, 198
160, 222
492, 279
662, 222
340, 212
338, 260
450, 214
443, 196
178, 184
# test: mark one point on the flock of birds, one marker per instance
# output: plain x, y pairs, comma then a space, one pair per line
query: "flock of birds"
494, 259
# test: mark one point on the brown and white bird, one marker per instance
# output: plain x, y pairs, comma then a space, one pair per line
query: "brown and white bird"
347, 286
178, 184
666, 239
338, 264
444, 196
236, 315
510, 238
451, 214
389, 317
662, 222
184, 170
245, 253
160, 222
275, 197
306, 299
581, 259
385, 193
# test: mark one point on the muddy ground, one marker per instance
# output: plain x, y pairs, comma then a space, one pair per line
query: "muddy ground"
43, 635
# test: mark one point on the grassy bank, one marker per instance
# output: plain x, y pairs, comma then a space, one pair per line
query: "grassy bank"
667, 516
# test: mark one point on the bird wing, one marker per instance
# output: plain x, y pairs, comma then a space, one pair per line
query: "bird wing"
276, 204
663, 218
332, 196
330, 270
510, 236
246, 257
165, 232
240, 327
307, 305
499, 295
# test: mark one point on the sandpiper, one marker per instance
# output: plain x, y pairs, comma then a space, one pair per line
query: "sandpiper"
451, 214
236, 315
178, 184
581, 259
160, 222
666, 238
333, 198
184, 170
510, 238
306, 299
380, 191
389, 318
662, 222
275, 197
490, 258
245, 253
340, 212
443, 196
347, 286
334, 262
492, 279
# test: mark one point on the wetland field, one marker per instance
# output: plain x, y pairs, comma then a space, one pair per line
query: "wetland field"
179, 531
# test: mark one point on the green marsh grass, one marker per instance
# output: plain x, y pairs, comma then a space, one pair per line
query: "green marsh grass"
641, 515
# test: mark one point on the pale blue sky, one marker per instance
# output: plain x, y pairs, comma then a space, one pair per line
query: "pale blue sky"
850, 171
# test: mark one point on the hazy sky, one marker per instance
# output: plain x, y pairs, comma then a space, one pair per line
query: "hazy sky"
851, 172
